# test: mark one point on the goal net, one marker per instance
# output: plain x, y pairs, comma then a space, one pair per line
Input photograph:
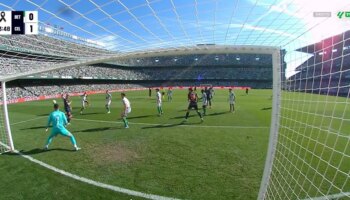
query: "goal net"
6, 143
311, 146
309, 152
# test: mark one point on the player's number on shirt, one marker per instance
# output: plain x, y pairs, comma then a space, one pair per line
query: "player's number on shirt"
58, 120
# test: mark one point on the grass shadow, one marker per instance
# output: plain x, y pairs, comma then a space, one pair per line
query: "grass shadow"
42, 115
142, 116
95, 129
91, 130
183, 116
217, 113
267, 108
34, 127
163, 126
36, 151
172, 125
94, 113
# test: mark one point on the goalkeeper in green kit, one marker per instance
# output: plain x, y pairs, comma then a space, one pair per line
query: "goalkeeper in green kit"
59, 120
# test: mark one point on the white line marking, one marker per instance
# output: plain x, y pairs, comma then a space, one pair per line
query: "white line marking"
332, 196
28, 120
92, 182
183, 125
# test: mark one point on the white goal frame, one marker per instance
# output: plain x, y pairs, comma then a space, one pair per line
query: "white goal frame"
244, 49
6, 118
275, 117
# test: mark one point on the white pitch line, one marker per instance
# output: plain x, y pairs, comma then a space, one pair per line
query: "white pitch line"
92, 182
27, 120
185, 125
332, 196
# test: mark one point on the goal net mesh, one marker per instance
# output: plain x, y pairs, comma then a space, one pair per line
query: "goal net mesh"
312, 153
310, 158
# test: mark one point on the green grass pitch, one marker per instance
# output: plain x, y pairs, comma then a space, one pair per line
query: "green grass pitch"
221, 158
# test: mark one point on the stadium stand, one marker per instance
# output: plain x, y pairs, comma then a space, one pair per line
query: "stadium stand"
48, 45
327, 71
27, 52
19, 91
200, 60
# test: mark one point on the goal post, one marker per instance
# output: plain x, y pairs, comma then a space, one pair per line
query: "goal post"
309, 146
6, 142
275, 116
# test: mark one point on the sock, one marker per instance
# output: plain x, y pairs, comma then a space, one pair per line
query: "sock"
187, 114
49, 140
125, 121
72, 139
199, 114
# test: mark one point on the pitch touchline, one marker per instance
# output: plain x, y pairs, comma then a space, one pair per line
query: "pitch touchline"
90, 181
186, 125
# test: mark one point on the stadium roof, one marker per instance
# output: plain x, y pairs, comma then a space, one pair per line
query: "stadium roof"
128, 26
338, 39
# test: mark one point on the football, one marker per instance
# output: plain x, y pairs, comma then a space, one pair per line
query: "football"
54, 101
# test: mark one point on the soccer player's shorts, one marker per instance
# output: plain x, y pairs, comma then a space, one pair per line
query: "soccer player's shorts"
232, 102
108, 103
193, 105
128, 110
159, 104
61, 131
67, 110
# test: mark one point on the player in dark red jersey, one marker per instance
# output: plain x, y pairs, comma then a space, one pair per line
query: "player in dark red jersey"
67, 107
192, 99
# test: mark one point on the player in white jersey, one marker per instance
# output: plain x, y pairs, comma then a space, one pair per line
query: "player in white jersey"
108, 101
231, 99
170, 94
126, 110
204, 101
84, 102
159, 102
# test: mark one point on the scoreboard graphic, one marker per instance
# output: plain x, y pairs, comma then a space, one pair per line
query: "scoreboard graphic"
19, 22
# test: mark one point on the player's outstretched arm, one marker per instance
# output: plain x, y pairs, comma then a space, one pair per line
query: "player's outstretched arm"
48, 123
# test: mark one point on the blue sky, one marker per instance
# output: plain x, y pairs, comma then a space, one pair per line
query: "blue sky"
128, 25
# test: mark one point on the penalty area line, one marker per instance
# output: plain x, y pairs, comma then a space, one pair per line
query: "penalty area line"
183, 125
90, 181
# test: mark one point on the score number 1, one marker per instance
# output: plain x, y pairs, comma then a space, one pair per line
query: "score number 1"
31, 22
